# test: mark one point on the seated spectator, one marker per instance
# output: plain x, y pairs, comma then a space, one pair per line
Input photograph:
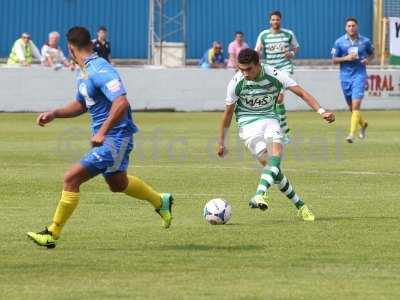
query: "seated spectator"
23, 51
52, 55
101, 46
213, 57
235, 47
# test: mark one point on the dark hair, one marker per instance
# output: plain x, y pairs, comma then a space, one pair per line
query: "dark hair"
239, 32
248, 56
102, 28
351, 19
79, 37
275, 13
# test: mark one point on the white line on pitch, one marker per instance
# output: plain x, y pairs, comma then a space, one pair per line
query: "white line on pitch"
188, 166
344, 172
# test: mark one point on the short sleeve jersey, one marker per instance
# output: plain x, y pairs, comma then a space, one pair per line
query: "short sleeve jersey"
256, 99
98, 86
361, 46
274, 45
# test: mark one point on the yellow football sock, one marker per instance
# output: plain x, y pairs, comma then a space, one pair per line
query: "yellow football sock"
66, 206
355, 120
361, 120
138, 189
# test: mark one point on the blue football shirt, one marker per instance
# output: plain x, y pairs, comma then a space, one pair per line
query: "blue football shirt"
98, 86
343, 46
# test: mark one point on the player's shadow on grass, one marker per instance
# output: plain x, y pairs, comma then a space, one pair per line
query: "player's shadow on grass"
339, 218
204, 247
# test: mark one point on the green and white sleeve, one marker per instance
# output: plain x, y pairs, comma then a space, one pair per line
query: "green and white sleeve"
231, 97
282, 77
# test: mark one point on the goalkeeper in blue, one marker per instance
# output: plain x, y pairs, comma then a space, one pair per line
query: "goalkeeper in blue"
101, 93
252, 95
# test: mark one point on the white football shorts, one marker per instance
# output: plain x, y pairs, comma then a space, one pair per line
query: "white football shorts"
259, 135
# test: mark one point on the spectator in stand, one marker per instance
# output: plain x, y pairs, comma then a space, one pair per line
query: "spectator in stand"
213, 57
52, 55
23, 51
235, 47
101, 46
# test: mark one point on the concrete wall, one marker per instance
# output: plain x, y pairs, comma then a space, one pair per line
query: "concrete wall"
190, 89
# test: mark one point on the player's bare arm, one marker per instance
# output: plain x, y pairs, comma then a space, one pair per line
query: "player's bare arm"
292, 52
367, 60
72, 109
225, 124
258, 48
118, 109
312, 102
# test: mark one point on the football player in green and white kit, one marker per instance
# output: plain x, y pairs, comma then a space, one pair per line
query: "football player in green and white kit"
252, 95
279, 47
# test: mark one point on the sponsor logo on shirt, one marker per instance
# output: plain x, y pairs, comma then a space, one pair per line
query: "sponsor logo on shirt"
275, 47
113, 86
257, 102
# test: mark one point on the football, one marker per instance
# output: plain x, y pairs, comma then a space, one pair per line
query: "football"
217, 211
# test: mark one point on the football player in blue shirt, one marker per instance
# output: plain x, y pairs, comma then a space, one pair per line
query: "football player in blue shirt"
102, 93
353, 52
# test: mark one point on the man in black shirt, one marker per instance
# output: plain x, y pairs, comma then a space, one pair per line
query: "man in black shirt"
101, 46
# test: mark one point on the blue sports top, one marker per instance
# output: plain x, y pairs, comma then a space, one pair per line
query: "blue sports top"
98, 86
361, 46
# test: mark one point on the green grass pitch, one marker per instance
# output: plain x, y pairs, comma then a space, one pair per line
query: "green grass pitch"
114, 246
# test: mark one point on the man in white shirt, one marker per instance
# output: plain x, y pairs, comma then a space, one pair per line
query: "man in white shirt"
52, 55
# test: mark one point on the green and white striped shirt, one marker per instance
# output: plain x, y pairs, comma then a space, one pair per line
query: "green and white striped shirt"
256, 99
274, 45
